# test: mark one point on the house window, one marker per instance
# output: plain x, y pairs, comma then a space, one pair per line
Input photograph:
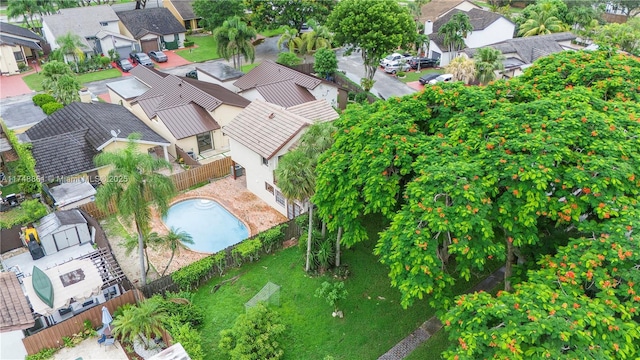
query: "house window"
103, 24
279, 198
187, 24
268, 187
204, 142
18, 55
265, 161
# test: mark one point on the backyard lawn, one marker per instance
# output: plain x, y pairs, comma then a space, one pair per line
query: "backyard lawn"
374, 321
246, 68
34, 81
205, 49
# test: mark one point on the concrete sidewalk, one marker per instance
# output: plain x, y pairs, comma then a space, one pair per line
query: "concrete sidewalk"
433, 325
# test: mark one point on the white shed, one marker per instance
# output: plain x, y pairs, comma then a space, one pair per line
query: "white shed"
62, 229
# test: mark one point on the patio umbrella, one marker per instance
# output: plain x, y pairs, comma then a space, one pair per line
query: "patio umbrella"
106, 318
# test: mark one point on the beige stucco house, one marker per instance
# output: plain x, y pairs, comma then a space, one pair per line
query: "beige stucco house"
17, 46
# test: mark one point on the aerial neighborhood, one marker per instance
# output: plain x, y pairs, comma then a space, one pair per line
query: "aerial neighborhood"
338, 179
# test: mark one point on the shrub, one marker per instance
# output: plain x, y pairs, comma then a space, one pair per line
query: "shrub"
42, 99
288, 59
188, 43
50, 108
255, 335
401, 74
247, 250
105, 61
188, 337
43, 354
220, 261
179, 307
272, 237
332, 293
192, 273
362, 98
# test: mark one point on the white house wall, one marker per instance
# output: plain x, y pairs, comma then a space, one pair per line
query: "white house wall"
501, 30
49, 36
252, 94
258, 174
8, 63
12, 346
326, 92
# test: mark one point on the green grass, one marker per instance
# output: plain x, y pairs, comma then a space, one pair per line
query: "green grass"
34, 81
205, 49
374, 320
272, 32
414, 76
246, 68
10, 189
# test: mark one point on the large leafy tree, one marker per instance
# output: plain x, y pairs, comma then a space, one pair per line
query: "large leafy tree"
134, 184
621, 36
483, 172
214, 13
455, 31
293, 13
325, 63
629, 7
488, 60
234, 40
60, 81
376, 27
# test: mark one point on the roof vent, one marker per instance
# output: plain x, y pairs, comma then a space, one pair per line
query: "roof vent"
272, 115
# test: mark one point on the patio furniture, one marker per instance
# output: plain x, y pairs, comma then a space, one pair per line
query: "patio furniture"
102, 339
109, 341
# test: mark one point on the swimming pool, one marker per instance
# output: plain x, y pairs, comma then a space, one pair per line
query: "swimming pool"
211, 226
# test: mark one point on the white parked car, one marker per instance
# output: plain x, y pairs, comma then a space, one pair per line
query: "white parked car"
442, 78
394, 59
397, 67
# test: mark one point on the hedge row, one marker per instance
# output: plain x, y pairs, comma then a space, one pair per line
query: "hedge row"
25, 173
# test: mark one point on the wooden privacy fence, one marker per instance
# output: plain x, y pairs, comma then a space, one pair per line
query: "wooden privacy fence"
51, 337
182, 181
165, 283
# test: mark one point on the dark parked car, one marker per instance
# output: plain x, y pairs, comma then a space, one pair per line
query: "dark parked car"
124, 65
426, 78
141, 58
424, 62
192, 74
158, 56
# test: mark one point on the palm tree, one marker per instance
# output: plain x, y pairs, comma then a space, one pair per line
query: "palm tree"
174, 240
27, 9
319, 37
455, 31
71, 44
144, 319
135, 181
234, 40
287, 38
296, 170
542, 22
462, 69
488, 60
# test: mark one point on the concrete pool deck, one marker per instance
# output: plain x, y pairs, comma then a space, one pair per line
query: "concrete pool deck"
230, 193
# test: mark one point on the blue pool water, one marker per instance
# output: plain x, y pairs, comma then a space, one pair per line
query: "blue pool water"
211, 226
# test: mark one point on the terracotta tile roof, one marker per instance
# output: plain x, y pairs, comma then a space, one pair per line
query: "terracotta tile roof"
269, 72
187, 120
265, 128
318, 110
435, 8
175, 91
15, 313
151, 77
219, 92
285, 93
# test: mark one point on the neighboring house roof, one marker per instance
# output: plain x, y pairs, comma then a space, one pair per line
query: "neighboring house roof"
151, 77
318, 110
100, 119
530, 48
220, 71
265, 128
270, 72
83, 21
157, 21
13, 35
183, 104
185, 9
10, 29
479, 19
285, 93
14, 308
104, 33
435, 8
128, 88
63, 155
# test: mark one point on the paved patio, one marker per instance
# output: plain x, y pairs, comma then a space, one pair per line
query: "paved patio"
89, 349
13, 85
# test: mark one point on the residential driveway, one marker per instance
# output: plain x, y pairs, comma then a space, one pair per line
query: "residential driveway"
13, 86
174, 60
20, 111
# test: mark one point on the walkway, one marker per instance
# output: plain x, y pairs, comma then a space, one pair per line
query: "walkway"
13, 85
433, 325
